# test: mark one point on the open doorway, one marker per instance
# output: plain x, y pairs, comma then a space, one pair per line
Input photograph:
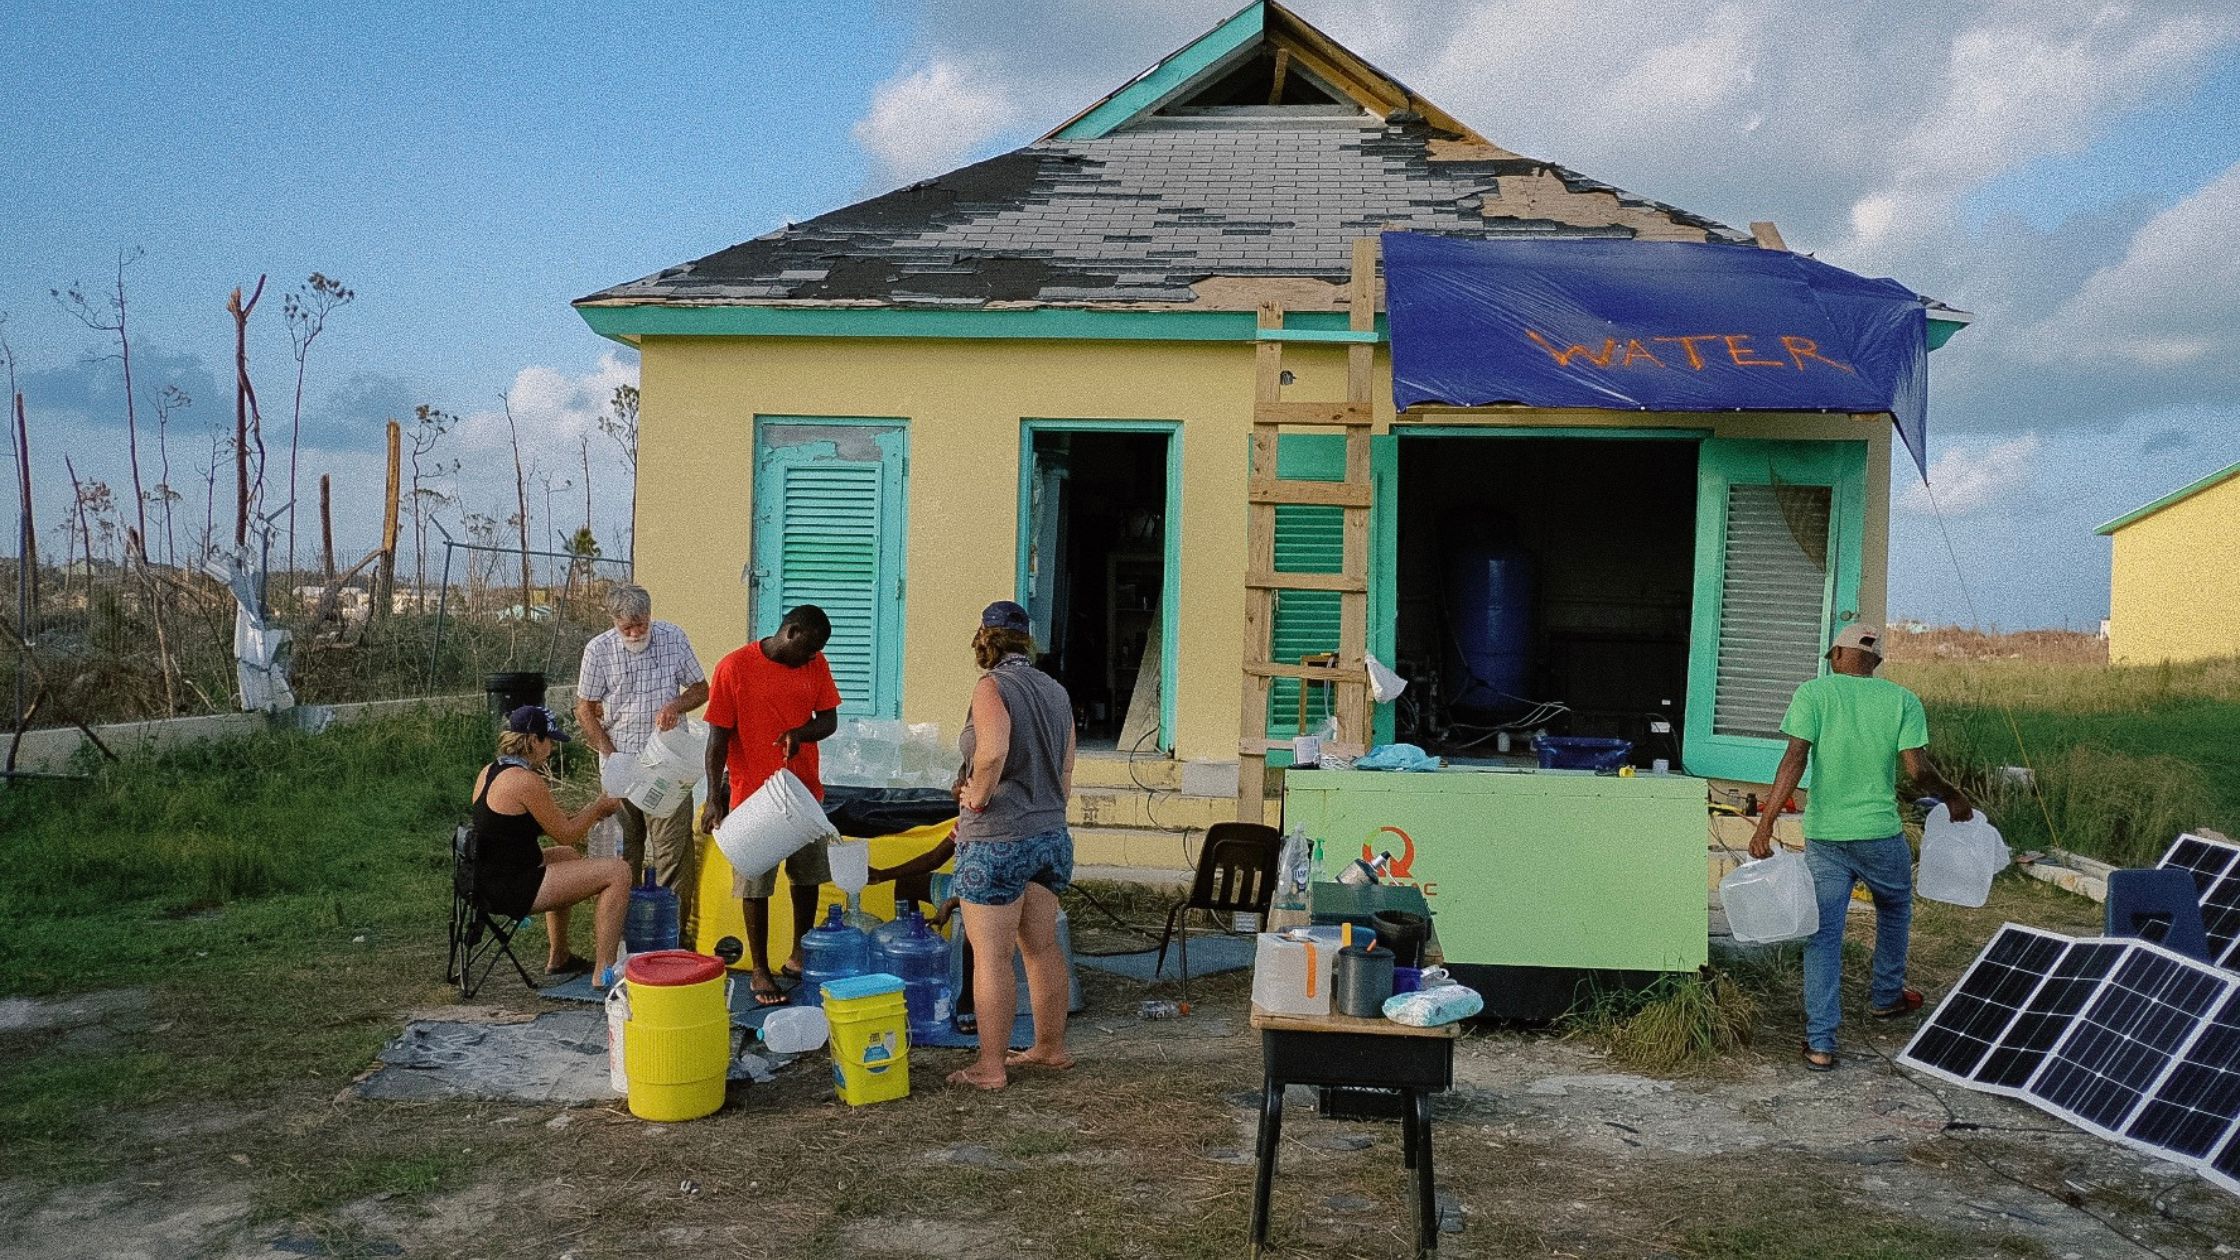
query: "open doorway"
1545, 585
1096, 576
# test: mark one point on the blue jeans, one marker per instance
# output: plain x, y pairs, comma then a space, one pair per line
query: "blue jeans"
1886, 867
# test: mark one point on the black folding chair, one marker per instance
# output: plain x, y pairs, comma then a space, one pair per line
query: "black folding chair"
478, 937
1236, 875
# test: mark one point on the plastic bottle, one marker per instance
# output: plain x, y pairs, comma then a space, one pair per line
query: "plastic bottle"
1158, 1009
651, 922
910, 951
830, 951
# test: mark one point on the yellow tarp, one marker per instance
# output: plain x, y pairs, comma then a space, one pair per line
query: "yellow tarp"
720, 915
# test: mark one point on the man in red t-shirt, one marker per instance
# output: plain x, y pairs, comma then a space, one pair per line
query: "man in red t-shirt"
768, 705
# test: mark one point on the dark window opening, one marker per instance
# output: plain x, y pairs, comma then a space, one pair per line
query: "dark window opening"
1253, 83
1545, 585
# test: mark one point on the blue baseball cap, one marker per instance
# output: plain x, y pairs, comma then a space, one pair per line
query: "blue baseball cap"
1005, 615
537, 720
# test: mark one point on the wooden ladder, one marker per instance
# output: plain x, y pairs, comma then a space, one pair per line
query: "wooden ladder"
1348, 678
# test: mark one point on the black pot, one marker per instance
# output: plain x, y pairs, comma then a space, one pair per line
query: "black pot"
1403, 932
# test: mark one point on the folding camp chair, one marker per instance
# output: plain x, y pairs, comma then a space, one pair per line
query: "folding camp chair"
1236, 875
478, 937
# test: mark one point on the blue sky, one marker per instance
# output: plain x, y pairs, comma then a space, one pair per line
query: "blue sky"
469, 169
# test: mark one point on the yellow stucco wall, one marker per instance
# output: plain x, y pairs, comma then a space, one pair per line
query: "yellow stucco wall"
2175, 590
964, 402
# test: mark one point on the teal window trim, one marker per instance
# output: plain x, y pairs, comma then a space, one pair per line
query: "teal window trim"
1170, 595
762, 620
1839, 465
1367, 336
1169, 76
1042, 323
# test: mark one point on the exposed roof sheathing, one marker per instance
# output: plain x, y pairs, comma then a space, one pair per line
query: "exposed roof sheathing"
1142, 215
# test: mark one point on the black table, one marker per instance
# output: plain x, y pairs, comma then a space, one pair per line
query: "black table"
1338, 1050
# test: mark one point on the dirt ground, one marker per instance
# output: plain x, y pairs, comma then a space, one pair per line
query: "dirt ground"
1542, 1149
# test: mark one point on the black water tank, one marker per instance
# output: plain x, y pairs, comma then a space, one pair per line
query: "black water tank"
509, 691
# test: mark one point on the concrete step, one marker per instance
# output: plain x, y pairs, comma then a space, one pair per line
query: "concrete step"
1139, 847
1111, 770
1131, 807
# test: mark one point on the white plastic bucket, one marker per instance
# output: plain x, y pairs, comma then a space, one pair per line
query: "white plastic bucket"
1770, 900
672, 761
618, 1017
618, 773
851, 864
775, 820
1958, 860
795, 1030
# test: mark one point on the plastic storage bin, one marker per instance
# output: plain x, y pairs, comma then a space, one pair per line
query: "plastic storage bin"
1770, 900
870, 1038
1572, 752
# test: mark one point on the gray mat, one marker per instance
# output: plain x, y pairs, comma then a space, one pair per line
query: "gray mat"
1209, 955
558, 1057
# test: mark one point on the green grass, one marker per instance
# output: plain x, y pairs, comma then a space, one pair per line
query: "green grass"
280, 899
1676, 1023
2125, 758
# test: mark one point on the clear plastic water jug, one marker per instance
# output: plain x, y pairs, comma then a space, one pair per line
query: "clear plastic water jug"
1292, 977
910, 950
1770, 900
1959, 859
794, 1030
830, 951
651, 923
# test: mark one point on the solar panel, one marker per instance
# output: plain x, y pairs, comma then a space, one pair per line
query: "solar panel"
2071, 983
2215, 867
1983, 1005
2144, 1016
2224, 1167
2196, 1106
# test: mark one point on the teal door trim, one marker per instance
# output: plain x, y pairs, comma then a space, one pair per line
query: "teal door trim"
892, 438
1384, 570
1170, 596
1727, 462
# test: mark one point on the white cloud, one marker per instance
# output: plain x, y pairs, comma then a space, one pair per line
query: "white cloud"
552, 408
2171, 301
1970, 477
932, 119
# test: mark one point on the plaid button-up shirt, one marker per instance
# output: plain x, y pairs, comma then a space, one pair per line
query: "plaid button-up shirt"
631, 687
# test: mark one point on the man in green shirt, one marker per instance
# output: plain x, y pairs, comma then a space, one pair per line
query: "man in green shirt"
1855, 730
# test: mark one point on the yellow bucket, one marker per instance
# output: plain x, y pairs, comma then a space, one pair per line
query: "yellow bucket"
870, 1038
676, 1042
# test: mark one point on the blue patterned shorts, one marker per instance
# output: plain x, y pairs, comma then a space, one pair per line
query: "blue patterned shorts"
997, 872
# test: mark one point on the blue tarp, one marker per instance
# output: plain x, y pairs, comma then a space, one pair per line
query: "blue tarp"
1651, 326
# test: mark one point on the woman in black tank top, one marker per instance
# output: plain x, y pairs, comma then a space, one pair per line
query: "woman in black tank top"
515, 876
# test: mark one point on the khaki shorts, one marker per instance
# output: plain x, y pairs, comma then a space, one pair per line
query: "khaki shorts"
806, 866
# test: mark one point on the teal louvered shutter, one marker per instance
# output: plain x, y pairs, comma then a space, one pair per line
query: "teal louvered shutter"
829, 533
1778, 557
1308, 540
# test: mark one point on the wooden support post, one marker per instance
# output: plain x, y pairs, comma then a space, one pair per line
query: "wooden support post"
385, 582
326, 528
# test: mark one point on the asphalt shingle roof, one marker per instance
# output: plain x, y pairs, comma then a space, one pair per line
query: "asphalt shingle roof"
1143, 213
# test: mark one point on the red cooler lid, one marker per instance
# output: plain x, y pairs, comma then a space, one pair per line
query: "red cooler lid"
666, 967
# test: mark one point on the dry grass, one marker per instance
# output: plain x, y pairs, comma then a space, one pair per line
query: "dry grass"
1677, 1024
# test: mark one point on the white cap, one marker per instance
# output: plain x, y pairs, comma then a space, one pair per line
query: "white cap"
1859, 635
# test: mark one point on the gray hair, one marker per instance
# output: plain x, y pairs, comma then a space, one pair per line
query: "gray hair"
628, 602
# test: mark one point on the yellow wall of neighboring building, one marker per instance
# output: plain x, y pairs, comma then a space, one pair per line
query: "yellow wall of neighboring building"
964, 402
2174, 593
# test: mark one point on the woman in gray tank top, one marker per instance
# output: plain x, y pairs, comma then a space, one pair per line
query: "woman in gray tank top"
1014, 855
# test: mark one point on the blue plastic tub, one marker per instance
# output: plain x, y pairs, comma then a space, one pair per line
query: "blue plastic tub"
1572, 752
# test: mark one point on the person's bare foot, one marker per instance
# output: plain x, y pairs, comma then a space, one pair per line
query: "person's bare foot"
978, 1078
1055, 1060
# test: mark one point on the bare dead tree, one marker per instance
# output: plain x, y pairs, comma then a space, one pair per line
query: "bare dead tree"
247, 423
169, 401
429, 424
521, 497
106, 313
208, 544
583, 444
306, 311
620, 423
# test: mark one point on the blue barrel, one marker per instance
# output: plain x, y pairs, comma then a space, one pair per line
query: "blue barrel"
831, 951
651, 922
1489, 629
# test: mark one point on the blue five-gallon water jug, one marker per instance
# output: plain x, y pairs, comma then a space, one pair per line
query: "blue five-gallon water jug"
831, 951
910, 950
651, 922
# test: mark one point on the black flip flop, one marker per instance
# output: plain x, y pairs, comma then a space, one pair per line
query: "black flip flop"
1812, 1064
768, 997
572, 966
